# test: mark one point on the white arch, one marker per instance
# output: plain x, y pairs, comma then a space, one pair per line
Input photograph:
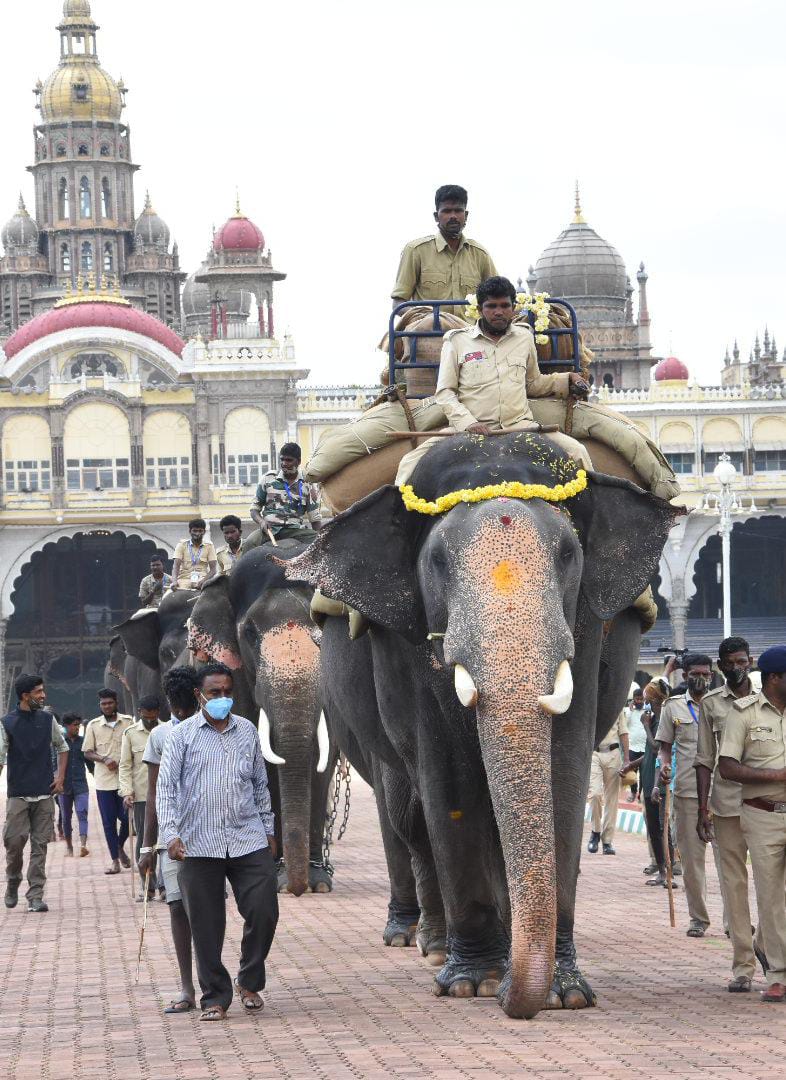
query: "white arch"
19, 563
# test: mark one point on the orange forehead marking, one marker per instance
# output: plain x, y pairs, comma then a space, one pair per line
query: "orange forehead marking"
506, 576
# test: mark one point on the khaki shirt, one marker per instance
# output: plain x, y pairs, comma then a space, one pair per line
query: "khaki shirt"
133, 770
726, 797
429, 270
483, 380
677, 726
194, 560
619, 727
106, 741
226, 558
754, 735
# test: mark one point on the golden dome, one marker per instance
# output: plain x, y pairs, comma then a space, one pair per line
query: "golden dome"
80, 90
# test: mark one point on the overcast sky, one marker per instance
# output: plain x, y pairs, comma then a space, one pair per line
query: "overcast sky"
337, 122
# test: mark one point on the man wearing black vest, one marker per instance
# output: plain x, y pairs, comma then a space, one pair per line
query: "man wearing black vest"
27, 738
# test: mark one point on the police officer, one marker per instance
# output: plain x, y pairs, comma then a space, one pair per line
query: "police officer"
753, 754
719, 815
604, 789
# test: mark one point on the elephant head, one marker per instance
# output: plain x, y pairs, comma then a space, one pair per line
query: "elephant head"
156, 637
498, 581
258, 623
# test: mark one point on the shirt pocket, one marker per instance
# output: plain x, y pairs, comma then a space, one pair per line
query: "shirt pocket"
435, 284
245, 767
762, 733
517, 371
476, 372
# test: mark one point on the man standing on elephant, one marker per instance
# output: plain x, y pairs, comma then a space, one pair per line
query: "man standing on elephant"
153, 586
286, 505
215, 817
679, 726
488, 372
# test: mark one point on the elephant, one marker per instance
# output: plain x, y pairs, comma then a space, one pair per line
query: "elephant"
486, 594
260, 626
157, 637
129, 677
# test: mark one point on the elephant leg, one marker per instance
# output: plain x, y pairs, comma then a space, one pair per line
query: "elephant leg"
572, 744
403, 908
320, 872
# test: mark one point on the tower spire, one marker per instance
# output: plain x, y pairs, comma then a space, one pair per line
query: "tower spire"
578, 217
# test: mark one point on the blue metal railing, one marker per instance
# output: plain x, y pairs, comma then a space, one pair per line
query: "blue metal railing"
554, 333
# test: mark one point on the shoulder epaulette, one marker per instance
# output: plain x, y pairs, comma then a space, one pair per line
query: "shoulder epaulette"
713, 693
745, 702
473, 243
420, 240
456, 330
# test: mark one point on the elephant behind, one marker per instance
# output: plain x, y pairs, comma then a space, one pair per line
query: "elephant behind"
487, 602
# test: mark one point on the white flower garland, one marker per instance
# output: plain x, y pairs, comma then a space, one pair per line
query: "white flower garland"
537, 303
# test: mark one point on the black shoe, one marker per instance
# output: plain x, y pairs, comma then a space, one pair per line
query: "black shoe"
11, 895
36, 905
592, 843
608, 849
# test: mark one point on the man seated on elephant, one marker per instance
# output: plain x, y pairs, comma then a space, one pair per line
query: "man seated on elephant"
488, 372
232, 528
286, 505
195, 558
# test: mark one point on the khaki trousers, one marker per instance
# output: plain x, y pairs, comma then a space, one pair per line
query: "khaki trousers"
23, 820
765, 834
733, 874
572, 448
604, 792
693, 853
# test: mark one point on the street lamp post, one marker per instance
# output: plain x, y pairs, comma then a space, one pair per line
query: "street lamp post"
724, 504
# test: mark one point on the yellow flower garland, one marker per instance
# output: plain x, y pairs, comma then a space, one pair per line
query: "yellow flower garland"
510, 489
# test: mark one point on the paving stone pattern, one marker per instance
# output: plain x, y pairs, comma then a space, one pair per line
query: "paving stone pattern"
339, 1004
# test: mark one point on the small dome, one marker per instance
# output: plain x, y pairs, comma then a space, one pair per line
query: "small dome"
151, 229
671, 369
77, 9
20, 230
239, 234
580, 263
196, 300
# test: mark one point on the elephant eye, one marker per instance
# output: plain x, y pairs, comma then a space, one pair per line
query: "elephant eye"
250, 631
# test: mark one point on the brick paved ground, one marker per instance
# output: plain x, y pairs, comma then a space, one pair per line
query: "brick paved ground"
339, 1004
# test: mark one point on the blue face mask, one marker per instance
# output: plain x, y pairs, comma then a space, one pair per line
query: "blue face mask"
219, 707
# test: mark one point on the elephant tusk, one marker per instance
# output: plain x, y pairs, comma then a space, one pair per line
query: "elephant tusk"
466, 691
264, 738
323, 741
559, 701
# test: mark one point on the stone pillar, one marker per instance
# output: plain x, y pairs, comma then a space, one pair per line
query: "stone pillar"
678, 614
203, 447
3, 687
58, 472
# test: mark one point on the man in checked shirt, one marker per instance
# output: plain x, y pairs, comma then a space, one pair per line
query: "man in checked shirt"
215, 818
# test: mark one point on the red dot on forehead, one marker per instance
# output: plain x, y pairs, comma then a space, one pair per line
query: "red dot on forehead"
291, 624
505, 519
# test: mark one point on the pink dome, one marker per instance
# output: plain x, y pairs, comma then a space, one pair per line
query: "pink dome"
239, 234
671, 368
89, 314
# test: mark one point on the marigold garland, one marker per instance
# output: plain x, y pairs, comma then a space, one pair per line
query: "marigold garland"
511, 489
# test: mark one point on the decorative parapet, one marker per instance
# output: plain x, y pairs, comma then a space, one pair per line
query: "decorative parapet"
244, 352
316, 401
659, 392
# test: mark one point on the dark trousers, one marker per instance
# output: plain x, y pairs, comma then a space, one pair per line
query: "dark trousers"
69, 803
253, 881
112, 811
653, 815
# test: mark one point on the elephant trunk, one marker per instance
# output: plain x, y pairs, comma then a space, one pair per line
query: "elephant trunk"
294, 780
516, 746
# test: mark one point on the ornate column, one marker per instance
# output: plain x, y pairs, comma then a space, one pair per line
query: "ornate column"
203, 446
678, 614
138, 493
3, 687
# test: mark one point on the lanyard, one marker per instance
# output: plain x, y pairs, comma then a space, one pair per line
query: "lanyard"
299, 492
692, 711
195, 560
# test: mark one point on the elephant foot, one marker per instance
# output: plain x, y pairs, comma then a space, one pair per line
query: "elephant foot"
281, 876
570, 990
467, 980
399, 932
320, 877
432, 941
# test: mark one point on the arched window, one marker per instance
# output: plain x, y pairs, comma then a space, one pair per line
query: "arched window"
61, 150
63, 202
608, 380
109, 259
87, 257
85, 201
104, 150
106, 199
83, 150
65, 259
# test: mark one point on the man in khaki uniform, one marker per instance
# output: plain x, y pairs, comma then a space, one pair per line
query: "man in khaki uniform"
488, 372
753, 754
133, 770
448, 266
604, 789
102, 744
679, 725
719, 814
195, 559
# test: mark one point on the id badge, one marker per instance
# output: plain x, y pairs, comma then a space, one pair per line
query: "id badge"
196, 577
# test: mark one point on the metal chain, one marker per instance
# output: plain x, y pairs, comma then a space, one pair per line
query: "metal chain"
331, 817
345, 819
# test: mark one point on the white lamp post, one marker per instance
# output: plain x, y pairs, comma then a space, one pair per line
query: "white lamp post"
724, 505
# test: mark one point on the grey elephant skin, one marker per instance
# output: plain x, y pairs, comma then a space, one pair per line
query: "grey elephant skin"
129, 677
259, 624
514, 587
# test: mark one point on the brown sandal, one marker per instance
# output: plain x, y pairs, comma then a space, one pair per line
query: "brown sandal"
213, 1012
250, 998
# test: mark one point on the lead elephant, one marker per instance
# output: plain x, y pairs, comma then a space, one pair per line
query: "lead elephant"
487, 602
260, 626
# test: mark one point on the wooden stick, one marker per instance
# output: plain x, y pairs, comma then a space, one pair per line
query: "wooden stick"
144, 924
546, 430
131, 845
667, 854
273, 540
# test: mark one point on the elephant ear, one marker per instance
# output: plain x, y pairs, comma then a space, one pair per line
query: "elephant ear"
365, 557
623, 531
141, 636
